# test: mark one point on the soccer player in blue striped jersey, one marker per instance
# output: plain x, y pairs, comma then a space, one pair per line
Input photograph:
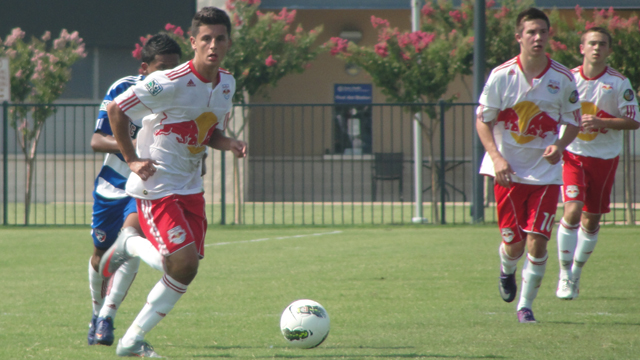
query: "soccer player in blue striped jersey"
112, 208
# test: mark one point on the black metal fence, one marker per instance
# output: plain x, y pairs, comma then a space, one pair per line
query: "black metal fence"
313, 164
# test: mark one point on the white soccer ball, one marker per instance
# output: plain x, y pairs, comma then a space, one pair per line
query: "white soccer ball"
305, 324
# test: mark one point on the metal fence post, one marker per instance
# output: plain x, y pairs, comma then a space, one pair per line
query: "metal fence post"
442, 106
479, 28
5, 160
223, 189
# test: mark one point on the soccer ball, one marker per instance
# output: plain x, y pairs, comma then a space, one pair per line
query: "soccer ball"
305, 324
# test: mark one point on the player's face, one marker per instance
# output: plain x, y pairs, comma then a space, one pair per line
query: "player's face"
210, 45
595, 48
533, 38
161, 62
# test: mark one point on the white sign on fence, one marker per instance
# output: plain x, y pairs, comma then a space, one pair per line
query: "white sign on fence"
5, 80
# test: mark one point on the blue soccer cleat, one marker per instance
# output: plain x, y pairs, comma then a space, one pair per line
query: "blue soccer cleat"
104, 331
91, 337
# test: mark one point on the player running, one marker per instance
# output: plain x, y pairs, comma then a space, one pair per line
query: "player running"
609, 105
112, 208
184, 110
521, 108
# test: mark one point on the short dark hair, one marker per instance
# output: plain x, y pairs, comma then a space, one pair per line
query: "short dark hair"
210, 16
597, 29
531, 14
160, 44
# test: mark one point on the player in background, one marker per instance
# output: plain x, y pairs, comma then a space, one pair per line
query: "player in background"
112, 208
609, 106
523, 103
184, 110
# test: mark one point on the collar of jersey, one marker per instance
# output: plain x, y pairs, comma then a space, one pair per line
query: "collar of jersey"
543, 71
595, 77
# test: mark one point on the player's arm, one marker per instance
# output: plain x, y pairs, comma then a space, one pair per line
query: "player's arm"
120, 126
553, 153
101, 142
220, 142
501, 167
590, 122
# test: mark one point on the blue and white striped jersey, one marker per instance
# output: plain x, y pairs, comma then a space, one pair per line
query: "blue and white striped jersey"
113, 176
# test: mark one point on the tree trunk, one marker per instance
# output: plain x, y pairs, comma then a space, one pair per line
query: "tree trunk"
29, 163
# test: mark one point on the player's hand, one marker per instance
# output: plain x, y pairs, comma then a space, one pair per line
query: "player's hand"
503, 172
239, 148
552, 154
145, 168
591, 122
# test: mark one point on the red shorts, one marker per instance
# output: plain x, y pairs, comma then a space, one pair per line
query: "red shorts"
173, 222
588, 180
525, 208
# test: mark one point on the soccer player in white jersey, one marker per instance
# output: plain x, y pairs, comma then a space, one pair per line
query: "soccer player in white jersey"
184, 109
609, 106
113, 209
523, 103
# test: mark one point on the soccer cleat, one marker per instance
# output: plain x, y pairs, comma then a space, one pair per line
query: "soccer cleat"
576, 288
565, 289
508, 287
91, 337
116, 255
138, 349
104, 333
525, 315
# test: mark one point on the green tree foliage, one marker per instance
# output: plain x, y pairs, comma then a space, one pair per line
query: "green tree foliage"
39, 69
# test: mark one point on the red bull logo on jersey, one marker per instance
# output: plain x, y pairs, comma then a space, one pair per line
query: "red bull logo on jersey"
226, 91
526, 122
553, 86
193, 133
607, 87
591, 109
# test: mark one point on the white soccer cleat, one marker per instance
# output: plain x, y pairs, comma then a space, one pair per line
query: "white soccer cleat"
565, 289
576, 288
138, 349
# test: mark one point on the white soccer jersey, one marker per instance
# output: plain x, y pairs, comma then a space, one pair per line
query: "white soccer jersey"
528, 118
608, 95
181, 110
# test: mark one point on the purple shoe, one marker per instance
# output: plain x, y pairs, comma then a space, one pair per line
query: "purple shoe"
526, 316
508, 287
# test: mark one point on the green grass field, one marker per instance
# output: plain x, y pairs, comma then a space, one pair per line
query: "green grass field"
393, 292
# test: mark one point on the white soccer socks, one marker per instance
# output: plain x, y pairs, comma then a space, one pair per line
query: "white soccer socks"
160, 301
97, 287
508, 263
532, 274
587, 241
140, 247
120, 284
567, 242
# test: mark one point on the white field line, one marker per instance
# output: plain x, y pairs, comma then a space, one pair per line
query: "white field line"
276, 238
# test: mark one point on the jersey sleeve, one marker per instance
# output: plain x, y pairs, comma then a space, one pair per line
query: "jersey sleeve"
490, 99
627, 101
150, 96
119, 87
222, 125
570, 107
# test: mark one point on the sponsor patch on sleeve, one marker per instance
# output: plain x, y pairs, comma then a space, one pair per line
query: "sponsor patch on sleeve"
103, 106
153, 87
574, 97
628, 95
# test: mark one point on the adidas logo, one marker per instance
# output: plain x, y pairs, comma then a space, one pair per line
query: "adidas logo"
511, 72
191, 83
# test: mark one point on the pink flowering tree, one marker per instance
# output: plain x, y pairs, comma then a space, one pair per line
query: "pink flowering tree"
40, 69
565, 47
267, 46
